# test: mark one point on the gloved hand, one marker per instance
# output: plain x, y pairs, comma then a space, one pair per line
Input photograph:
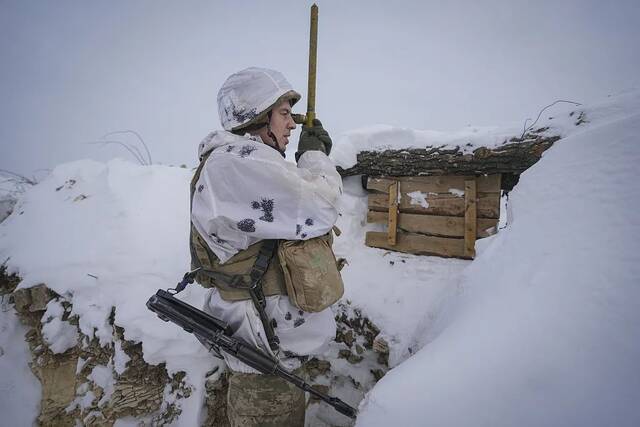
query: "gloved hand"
314, 138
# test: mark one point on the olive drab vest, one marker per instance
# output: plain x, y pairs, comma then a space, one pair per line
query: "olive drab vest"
231, 278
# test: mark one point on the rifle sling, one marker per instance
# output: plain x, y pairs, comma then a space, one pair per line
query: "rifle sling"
255, 290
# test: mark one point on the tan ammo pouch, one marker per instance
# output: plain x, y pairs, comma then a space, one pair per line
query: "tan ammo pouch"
311, 272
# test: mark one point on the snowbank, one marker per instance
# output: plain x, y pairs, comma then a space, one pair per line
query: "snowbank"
546, 330
108, 236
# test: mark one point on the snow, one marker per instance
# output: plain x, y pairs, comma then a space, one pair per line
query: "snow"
102, 376
114, 247
120, 358
6, 206
58, 334
80, 364
545, 330
383, 137
540, 329
559, 120
19, 388
84, 398
419, 198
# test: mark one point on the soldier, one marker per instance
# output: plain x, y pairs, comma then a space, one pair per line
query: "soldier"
244, 195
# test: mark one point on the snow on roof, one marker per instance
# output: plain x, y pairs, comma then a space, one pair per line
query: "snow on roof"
559, 119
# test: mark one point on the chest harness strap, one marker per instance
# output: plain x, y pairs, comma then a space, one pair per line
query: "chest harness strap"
255, 288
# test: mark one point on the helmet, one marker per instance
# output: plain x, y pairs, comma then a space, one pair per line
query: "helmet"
246, 97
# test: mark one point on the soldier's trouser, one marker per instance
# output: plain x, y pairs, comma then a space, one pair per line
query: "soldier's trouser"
264, 400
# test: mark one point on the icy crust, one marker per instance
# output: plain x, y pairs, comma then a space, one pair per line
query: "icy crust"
545, 329
560, 119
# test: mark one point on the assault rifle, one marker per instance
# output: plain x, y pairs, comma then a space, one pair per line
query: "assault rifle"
218, 336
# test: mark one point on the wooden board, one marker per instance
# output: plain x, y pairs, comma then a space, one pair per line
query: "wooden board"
446, 204
418, 244
470, 218
446, 226
435, 184
393, 213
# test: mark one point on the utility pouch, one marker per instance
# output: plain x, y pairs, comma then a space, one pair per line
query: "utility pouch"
311, 272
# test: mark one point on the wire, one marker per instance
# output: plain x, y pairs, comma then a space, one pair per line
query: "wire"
526, 129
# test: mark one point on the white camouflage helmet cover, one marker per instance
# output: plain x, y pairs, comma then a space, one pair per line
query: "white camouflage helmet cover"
249, 93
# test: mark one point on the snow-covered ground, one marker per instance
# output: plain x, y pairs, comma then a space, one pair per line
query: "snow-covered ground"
110, 235
542, 328
6, 204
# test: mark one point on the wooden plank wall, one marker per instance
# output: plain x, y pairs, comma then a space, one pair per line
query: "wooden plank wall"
458, 210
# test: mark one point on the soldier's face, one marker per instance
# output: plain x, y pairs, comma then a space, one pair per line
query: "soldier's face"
282, 124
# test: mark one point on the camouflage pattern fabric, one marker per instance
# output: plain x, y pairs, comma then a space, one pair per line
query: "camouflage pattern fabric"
239, 265
264, 400
311, 272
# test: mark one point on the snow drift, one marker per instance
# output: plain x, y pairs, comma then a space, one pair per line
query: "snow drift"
546, 330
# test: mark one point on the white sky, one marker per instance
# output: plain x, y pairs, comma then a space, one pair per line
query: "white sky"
75, 70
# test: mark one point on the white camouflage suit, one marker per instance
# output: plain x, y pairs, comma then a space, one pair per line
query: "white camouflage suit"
248, 192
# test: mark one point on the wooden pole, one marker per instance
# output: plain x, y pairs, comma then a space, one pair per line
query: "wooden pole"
470, 218
313, 56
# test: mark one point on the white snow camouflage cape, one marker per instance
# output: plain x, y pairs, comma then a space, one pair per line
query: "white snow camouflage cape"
247, 192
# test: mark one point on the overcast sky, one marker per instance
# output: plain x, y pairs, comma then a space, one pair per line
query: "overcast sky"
75, 70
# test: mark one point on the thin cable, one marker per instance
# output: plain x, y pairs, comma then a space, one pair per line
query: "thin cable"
526, 129
139, 159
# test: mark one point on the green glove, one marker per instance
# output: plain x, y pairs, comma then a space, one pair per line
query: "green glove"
314, 138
